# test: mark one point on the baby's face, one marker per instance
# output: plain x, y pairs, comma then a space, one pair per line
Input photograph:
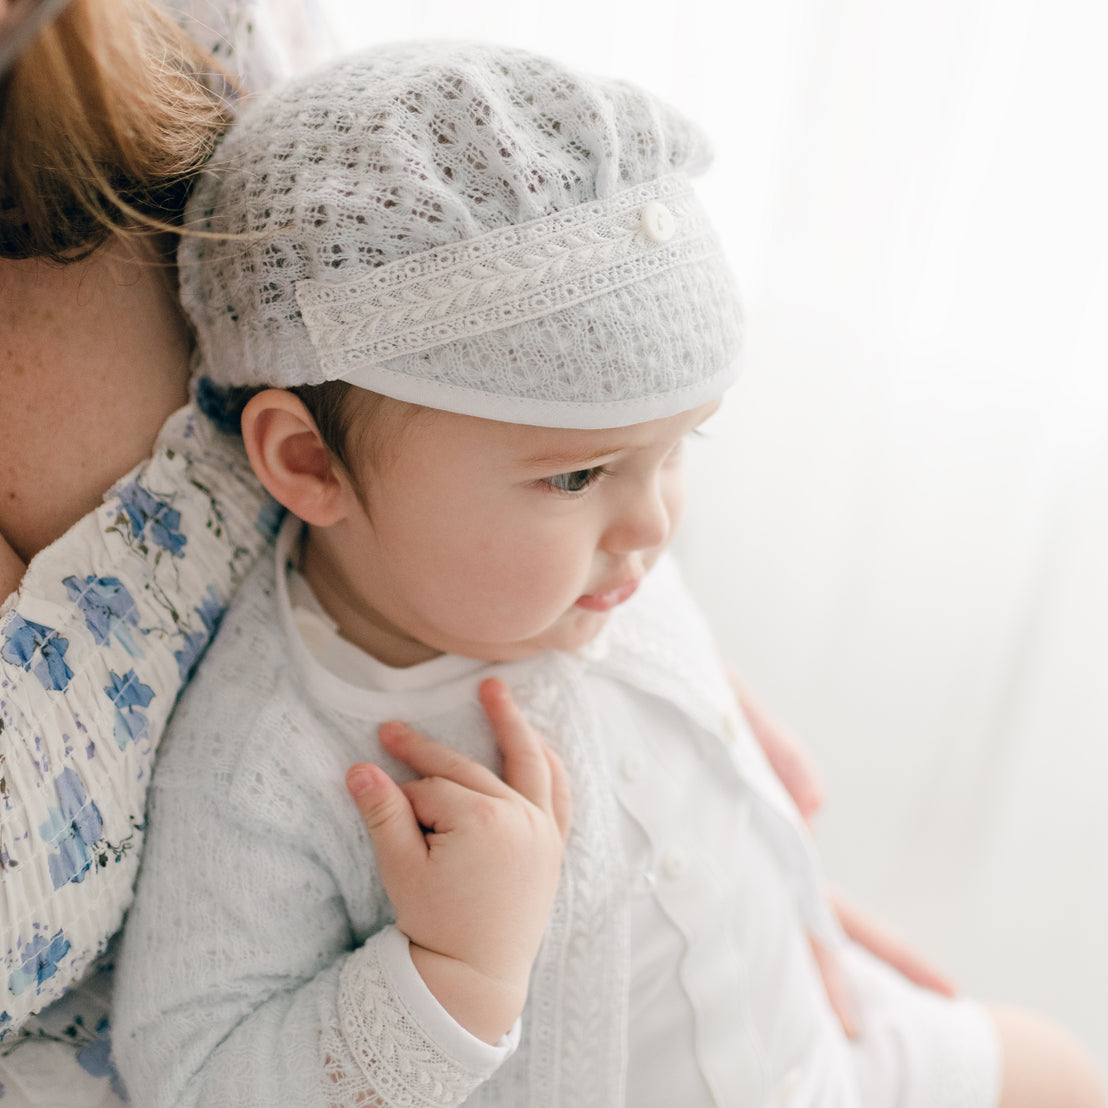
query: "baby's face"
499, 541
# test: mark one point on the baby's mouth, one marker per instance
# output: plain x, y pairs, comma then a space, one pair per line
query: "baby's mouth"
607, 599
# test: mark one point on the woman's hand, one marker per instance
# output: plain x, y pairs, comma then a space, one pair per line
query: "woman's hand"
793, 765
890, 948
12, 569
470, 862
790, 760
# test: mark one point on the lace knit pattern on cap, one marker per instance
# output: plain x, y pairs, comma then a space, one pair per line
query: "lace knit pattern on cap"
468, 219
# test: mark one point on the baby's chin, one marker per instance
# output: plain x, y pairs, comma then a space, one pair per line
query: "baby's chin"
573, 631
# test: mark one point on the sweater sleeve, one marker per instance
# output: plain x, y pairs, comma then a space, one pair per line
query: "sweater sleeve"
94, 648
240, 981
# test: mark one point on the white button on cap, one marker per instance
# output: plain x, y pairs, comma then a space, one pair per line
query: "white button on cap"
632, 766
674, 863
657, 223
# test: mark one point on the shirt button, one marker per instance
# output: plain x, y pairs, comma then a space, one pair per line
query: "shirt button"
674, 864
657, 223
632, 766
731, 728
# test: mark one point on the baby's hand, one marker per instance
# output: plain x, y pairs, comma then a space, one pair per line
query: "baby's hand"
470, 862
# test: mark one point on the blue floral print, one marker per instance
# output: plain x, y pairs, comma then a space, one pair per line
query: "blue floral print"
128, 694
142, 508
74, 827
40, 962
221, 404
210, 613
269, 518
38, 649
96, 1058
108, 609
71, 1041
107, 624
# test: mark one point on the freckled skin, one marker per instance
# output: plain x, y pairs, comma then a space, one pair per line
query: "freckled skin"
95, 358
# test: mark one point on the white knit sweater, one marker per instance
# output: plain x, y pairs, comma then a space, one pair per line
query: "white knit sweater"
260, 965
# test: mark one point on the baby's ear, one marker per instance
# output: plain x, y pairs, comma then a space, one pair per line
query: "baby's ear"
291, 459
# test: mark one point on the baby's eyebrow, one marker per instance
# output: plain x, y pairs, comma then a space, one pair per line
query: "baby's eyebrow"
572, 459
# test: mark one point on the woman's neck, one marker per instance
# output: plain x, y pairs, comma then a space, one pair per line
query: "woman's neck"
94, 357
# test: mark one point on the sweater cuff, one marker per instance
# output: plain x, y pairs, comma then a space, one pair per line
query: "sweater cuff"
404, 1041
395, 954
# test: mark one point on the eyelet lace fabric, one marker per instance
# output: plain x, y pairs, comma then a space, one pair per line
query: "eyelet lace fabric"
396, 1062
465, 226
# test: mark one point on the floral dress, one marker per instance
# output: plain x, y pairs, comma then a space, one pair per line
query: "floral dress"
103, 633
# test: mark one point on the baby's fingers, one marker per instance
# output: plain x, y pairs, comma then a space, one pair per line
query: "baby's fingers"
527, 768
442, 806
434, 759
388, 817
561, 796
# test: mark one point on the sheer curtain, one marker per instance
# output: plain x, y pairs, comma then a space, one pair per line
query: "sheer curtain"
900, 519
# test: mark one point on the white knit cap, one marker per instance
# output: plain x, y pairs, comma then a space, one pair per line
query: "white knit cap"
467, 227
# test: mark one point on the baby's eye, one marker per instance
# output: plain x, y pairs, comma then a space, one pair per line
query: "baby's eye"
576, 481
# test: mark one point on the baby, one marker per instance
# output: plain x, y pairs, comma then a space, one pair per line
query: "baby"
477, 310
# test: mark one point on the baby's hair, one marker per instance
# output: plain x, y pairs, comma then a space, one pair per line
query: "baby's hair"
354, 424
330, 406
105, 121
359, 426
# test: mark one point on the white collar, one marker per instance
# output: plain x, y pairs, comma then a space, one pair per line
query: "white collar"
340, 674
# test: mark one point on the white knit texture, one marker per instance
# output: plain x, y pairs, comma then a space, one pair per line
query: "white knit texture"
256, 969
469, 227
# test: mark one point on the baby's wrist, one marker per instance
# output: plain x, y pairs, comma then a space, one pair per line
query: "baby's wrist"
485, 1005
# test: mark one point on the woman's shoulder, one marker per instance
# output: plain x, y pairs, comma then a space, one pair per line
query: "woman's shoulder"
122, 605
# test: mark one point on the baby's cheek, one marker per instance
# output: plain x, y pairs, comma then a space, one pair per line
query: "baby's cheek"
520, 597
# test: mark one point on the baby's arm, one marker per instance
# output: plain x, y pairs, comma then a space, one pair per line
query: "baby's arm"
241, 983
470, 861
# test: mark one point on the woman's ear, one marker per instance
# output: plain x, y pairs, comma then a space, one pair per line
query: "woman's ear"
291, 459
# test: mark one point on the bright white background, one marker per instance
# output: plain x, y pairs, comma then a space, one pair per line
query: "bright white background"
900, 524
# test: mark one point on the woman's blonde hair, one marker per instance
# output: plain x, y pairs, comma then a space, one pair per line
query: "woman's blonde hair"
104, 121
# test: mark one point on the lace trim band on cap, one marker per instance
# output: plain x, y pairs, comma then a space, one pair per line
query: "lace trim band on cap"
506, 276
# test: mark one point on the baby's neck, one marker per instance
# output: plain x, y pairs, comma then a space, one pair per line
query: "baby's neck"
359, 624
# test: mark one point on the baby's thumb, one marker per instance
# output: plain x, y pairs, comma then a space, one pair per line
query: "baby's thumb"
385, 810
